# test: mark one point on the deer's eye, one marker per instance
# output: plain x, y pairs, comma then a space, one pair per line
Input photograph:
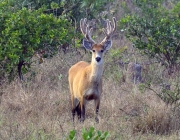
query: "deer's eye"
93, 50
102, 51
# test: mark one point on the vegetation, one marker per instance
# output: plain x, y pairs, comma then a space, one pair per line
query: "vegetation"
39, 107
24, 33
154, 29
91, 134
73, 9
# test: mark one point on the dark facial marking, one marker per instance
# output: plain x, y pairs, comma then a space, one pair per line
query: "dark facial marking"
98, 59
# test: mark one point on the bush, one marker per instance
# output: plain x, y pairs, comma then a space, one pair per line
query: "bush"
155, 30
25, 32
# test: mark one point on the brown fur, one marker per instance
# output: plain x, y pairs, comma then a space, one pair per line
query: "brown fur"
85, 83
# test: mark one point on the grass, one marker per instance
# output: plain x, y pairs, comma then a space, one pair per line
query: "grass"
39, 108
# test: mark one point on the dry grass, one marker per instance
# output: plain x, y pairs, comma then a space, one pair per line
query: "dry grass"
40, 108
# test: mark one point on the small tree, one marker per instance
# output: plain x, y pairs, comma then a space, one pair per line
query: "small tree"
155, 30
24, 32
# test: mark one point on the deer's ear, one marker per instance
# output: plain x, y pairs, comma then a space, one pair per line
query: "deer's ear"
87, 44
107, 45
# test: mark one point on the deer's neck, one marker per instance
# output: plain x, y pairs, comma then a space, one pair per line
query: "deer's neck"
96, 71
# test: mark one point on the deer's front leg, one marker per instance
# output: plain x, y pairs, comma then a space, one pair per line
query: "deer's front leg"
97, 103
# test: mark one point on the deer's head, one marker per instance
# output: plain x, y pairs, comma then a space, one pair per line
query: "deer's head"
97, 49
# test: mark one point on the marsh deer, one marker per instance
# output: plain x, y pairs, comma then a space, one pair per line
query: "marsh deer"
85, 80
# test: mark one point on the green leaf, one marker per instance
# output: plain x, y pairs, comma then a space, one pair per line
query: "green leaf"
72, 135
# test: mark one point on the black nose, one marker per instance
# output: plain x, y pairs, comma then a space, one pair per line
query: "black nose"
98, 59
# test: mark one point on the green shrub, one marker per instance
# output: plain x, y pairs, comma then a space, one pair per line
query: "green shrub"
25, 32
154, 30
90, 134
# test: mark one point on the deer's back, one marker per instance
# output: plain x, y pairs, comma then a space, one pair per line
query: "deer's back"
77, 69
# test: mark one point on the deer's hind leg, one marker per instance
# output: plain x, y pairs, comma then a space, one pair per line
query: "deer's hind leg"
75, 107
82, 109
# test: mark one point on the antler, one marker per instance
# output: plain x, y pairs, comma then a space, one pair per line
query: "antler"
109, 31
86, 31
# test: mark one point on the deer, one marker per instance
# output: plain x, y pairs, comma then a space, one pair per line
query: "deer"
85, 79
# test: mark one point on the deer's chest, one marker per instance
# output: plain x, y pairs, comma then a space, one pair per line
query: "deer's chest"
92, 92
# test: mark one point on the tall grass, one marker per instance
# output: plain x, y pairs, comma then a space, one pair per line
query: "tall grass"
39, 108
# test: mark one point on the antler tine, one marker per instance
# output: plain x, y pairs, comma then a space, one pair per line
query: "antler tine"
109, 26
85, 30
115, 24
109, 31
82, 22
